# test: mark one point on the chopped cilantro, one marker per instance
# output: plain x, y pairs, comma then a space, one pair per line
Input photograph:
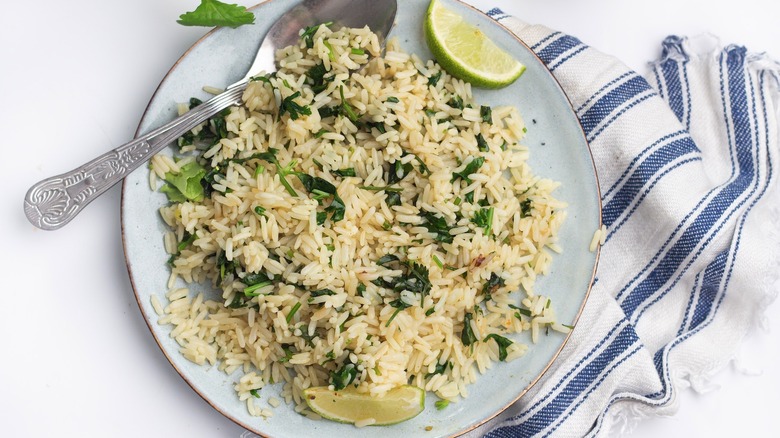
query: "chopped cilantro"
341, 378
502, 342
471, 168
350, 171
483, 218
434, 78
308, 33
486, 113
482, 143
292, 312
437, 225
442, 404
492, 285
295, 110
467, 335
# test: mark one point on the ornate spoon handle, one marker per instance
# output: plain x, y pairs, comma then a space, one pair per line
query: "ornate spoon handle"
53, 202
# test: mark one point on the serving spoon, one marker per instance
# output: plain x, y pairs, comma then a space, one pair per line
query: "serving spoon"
53, 202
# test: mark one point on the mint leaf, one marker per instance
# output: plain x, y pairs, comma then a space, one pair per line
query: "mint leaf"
212, 13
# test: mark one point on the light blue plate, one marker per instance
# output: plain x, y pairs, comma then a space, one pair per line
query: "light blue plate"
558, 151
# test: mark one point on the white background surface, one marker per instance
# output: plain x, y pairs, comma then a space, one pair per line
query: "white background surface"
77, 358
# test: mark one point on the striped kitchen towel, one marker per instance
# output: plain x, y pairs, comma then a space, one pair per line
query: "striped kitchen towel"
687, 160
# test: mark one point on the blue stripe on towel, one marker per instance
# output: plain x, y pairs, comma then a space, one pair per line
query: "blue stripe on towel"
596, 348
544, 40
638, 158
674, 69
656, 161
671, 73
584, 382
646, 190
556, 48
713, 277
612, 100
742, 123
718, 208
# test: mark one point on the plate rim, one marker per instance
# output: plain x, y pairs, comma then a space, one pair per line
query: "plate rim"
148, 320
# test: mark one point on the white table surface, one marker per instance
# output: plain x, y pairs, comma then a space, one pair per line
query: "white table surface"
77, 358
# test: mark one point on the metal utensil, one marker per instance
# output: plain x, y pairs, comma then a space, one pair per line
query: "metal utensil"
55, 201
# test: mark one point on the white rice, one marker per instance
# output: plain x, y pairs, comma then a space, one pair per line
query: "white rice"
599, 238
282, 332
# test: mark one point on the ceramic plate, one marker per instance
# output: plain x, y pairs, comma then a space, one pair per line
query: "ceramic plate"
558, 151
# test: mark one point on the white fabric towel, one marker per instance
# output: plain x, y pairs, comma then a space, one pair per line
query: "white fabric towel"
687, 161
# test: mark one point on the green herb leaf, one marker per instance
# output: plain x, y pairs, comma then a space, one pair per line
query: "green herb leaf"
434, 78
320, 293
329, 111
295, 109
525, 207
382, 188
212, 13
316, 78
350, 171
399, 306
379, 126
346, 107
502, 342
467, 335
492, 285
437, 225
343, 377
185, 185
337, 209
483, 218
482, 143
387, 259
471, 168
441, 404
486, 113
456, 102
521, 311
254, 282
186, 241
331, 54
392, 199
423, 168
292, 312
288, 354
440, 369
308, 33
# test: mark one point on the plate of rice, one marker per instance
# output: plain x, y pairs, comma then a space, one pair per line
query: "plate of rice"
363, 221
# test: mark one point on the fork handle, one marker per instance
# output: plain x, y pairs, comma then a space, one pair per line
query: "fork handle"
55, 201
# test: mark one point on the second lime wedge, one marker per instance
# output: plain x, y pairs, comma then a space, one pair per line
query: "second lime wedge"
349, 406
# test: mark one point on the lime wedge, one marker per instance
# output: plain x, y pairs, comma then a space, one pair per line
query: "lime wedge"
467, 53
349, 406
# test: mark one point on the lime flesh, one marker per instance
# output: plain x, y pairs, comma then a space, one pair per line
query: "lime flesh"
466, 52
349, 406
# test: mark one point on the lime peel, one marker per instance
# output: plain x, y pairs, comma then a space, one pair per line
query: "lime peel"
465, 52
349, 406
